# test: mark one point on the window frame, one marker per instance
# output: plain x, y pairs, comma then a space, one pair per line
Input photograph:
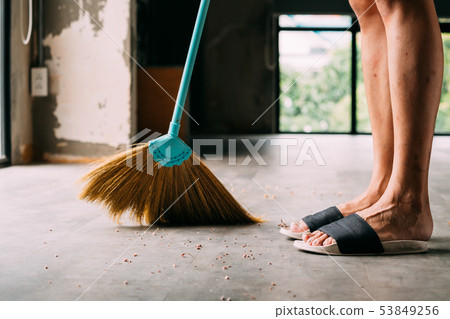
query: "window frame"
354, 29
4, 83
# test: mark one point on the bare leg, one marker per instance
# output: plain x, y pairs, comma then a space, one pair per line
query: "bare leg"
415, 60
376, 81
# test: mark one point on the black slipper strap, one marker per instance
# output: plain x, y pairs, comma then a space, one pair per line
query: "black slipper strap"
324, 217
354, 235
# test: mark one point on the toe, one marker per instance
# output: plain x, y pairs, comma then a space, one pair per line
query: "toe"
315, 235
329, 241
298, 227
319, 241
307, 236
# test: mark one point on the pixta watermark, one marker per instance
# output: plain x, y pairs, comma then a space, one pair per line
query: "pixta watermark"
235, 152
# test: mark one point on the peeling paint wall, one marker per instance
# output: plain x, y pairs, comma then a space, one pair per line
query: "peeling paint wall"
90, 111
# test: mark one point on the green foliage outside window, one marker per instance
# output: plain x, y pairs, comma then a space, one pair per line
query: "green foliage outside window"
443, 119
320, 101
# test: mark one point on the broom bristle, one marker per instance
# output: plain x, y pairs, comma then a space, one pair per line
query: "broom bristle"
121, 183
125, 183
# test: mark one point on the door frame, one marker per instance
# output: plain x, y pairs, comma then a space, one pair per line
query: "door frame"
4, 82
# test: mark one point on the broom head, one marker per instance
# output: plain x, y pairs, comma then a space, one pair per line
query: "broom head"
184, 194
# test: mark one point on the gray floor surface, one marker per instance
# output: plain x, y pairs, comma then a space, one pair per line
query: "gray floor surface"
56, 247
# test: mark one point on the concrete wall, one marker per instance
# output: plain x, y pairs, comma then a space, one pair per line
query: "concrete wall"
91, 108
21, 119
234, 78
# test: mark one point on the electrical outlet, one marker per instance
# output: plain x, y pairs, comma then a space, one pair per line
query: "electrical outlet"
39, 81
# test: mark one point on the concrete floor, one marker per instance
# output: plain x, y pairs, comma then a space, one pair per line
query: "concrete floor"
55, 247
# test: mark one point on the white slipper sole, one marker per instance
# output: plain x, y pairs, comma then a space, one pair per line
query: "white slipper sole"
287, 232
395, 247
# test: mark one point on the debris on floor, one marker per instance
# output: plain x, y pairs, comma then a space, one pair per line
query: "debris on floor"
282, 224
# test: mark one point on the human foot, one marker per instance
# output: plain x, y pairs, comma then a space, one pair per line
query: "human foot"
396, 216
359, 203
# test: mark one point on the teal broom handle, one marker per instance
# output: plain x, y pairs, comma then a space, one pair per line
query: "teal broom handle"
188, 68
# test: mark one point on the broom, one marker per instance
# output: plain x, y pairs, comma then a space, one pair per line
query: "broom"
175, 187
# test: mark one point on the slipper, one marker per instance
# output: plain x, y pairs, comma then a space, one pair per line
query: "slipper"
355, 237
291, 234
315, 221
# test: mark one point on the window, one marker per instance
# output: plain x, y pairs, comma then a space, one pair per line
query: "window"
319, 56
315, 58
